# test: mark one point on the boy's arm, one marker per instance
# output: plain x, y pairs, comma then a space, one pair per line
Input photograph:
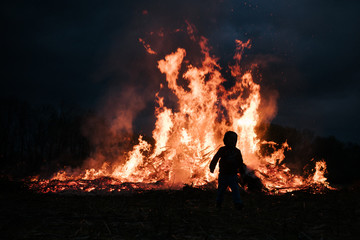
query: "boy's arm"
214, 161
242, 166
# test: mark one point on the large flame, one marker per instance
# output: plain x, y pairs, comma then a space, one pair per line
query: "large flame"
187, 138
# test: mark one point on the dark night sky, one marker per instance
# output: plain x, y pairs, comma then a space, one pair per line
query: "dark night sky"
82, 52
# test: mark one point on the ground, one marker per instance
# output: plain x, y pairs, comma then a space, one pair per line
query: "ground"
183, 214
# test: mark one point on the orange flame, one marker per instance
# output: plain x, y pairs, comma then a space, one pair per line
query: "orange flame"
186, 139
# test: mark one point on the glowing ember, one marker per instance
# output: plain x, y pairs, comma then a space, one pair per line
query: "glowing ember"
186, 139
147, 46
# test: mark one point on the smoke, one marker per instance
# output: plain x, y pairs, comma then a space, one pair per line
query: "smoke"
121, 108
110, 130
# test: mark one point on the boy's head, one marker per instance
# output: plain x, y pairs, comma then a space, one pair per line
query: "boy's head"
230, 139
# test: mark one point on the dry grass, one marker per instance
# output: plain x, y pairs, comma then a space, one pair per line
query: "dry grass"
184, 214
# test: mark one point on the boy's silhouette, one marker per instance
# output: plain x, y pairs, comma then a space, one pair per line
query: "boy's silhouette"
230, 164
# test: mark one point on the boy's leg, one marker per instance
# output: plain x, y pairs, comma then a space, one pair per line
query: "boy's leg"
222, 185
233, 184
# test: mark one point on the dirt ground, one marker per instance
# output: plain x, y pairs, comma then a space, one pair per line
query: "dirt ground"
184, 214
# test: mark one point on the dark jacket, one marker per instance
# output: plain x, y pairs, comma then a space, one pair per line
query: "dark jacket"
231, 161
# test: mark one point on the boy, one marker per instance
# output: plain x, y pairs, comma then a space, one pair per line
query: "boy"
230, 164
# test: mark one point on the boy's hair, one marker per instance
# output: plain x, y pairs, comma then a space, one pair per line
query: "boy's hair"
230, 139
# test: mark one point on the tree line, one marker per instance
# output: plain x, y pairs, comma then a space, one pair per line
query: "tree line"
44, 139
33, 139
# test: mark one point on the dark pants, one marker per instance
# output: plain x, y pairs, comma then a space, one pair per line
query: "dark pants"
225, 181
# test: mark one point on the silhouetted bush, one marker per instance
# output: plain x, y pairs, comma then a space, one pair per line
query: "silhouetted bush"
343, 159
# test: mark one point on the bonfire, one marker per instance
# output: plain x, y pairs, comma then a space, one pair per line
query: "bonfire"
186, 138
